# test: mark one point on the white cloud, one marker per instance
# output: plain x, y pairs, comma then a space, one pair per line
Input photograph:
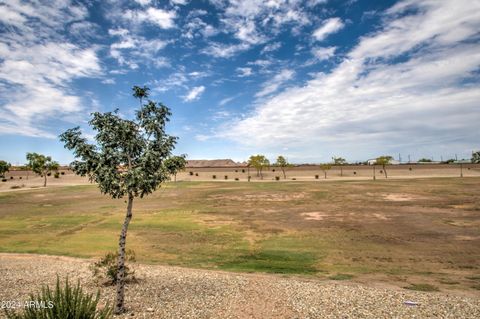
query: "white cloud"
220, 50
143, 2
194, 94
161, 18
243, 72
324, 53
274, 84
131, 49
271, 47
330, 26
38, 65
373, 101
226, 100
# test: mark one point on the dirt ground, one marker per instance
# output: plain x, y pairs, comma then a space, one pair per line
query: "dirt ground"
25, 180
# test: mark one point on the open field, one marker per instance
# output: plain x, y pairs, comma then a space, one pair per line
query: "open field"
403, 232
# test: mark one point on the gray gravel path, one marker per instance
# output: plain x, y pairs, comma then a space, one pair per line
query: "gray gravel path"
174, 292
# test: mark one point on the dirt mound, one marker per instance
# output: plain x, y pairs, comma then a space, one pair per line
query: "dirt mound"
214, 163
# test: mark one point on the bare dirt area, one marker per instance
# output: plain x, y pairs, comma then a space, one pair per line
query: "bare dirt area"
174, 292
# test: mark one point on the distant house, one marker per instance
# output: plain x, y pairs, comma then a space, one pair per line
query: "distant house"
374, 160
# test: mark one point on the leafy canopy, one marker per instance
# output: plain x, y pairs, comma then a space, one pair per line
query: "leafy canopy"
339, 160
282, 162
41, 164
175, 164
383, 160
129, 155
476, 157
4, 167
258, 161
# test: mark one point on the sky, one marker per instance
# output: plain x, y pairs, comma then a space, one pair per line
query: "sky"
305, 79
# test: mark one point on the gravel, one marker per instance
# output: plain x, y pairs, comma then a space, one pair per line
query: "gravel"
174, 292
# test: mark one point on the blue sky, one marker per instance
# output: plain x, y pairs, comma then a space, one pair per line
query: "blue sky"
306, 79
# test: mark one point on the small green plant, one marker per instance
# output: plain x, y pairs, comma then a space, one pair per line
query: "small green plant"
236, 178
15, 187
4, 179
191, 173
273, 169
243, 171
341, 277
63, 173
354, 173
316, 176
49, 174
20, 177
56, 175
63, 302
196, 174
277, 178
214, 176
11, 177
422, 287
105, 270
226, 176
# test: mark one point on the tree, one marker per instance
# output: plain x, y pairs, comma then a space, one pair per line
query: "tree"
383, 160
259, 162
339, 161
41, 165
175, 164
476, 157
126, 161
4, 167
325, 168
140, 93
283, 164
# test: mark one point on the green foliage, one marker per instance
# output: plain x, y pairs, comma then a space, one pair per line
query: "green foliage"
106, 268
140, 93
283, 164
259, 162
277, 178
339, 160
129, 155
175, 164
41, 164
476, 157
424, 160
4, 167
383, 160
62, 303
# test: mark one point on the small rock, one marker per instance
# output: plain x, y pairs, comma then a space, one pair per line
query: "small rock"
149, 309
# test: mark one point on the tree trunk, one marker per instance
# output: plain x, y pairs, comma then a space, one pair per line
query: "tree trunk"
341, 171
374, 172
325, 172
175, 177
119, 306
45, 179
284, 175
385, 171
261, 174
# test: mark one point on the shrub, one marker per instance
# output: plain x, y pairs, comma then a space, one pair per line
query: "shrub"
49, 174
237, 179
236, 171
20, 177
277, 178
105, 270
196, 174
243, 171
11, 177
63, 302
15, 187
409, 168
354, 173
316, 176
191, 173
273, 170
63, 173
214, 176
56, 175
294, 179
4, 179
226, 176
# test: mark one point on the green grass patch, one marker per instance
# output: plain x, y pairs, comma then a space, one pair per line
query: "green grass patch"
422, 287
341, 277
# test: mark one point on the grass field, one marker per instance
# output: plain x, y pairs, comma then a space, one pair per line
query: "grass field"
415, 233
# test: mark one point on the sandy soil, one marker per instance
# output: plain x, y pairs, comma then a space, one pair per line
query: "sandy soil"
173, 292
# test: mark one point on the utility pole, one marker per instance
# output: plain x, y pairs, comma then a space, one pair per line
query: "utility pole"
374, 177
